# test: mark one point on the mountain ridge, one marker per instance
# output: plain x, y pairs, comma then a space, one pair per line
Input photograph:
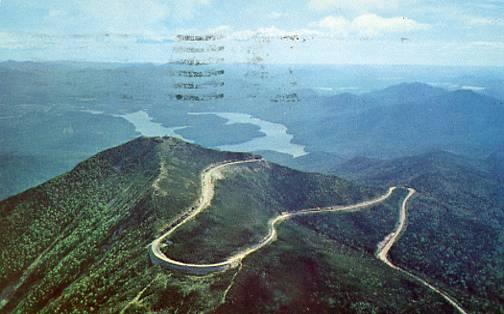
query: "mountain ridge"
455, 223
87, 232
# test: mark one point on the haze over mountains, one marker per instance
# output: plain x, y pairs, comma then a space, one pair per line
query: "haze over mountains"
49, 120
402, 120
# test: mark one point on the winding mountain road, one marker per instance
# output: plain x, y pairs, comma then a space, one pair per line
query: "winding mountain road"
208, 177
387, 243
213, 173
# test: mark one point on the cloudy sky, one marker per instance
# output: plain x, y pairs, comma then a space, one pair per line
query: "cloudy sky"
444, 32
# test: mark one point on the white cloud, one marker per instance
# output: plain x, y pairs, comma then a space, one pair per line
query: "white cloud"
145, 17
266, 33
369, 25
372, 24
484, 21
366, 25
336, 25
356, 5
129, 28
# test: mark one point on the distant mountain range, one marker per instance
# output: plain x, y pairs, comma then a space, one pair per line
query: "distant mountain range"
46, 129
406, 119
406, 93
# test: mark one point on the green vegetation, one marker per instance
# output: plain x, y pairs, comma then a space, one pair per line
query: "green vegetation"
81, 238
361, 230
62, 226
454, 237
249, 196
457, 249
305, 272
79, 242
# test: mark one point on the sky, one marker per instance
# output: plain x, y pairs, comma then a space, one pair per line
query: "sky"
426, 32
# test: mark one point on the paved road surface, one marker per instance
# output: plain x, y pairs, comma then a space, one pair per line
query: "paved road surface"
208, 178
213, 173
387, 243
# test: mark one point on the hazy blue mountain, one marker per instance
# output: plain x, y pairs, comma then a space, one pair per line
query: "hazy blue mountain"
496, 162
313, 162
405, 93
348, 104
42, 120
459, 121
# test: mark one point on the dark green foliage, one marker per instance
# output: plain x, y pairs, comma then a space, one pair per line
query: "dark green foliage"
361, 230
84, 233
79, 242
239, 219
304, 272
457, 250
454, 235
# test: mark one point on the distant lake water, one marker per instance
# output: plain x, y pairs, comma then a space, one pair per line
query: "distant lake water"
276, 137
143, 124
